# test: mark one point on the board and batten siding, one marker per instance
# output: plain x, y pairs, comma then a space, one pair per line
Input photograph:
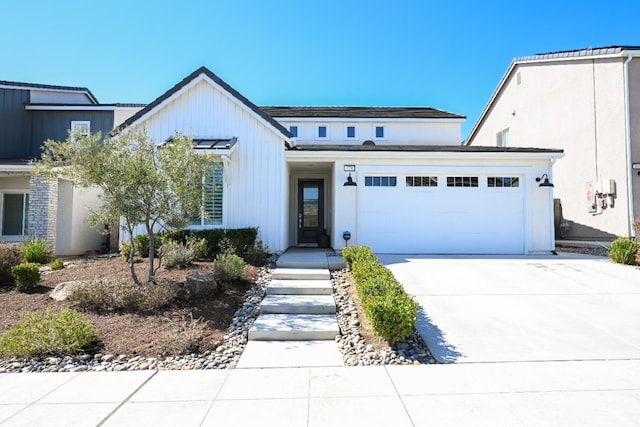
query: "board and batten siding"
14, 124
254, 188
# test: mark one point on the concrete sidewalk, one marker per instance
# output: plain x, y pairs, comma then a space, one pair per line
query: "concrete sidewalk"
589, 393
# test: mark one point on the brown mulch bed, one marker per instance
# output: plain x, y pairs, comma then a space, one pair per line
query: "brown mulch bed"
134, 334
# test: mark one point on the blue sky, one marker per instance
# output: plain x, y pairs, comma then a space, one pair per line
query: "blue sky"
445, 54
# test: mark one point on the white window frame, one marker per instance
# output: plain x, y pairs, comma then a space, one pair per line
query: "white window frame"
83, 124
202, 220
346, 132
384, 132
322, 138
502, 138
25, 214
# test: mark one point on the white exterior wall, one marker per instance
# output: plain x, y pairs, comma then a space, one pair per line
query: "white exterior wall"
537, 201
255, 188
397, 131
120, 114
73, 235
577, 106
634, 110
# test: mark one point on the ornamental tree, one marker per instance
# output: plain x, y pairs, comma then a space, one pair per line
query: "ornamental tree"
142, 183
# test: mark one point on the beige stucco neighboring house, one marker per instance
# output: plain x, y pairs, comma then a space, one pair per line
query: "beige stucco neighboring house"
586, 102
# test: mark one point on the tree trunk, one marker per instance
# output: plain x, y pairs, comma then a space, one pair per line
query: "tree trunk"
131, 255
152, 254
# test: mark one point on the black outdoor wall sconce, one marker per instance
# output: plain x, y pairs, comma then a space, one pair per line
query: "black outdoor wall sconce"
544, 183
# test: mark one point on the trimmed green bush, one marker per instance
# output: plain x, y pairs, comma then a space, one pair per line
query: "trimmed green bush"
120, 297
36, 249
10, 256
392, 315
228, 267
56, 264
45, 332
391, 312
26, 275
623, 250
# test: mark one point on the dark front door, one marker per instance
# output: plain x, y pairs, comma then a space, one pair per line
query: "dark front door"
310, 210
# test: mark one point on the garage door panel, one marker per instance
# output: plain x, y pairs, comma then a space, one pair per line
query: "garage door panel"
441, 219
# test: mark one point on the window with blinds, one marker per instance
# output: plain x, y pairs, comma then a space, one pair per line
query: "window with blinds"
212, 197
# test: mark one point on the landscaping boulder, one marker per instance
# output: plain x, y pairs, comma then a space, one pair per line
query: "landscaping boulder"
200, 283
62, 291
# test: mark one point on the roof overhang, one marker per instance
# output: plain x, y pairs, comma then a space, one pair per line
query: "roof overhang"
74, 107
418, 152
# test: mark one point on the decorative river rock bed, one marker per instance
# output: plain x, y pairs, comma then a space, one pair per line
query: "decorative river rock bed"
354, 349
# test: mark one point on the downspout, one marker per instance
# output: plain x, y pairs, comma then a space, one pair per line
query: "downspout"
628, 153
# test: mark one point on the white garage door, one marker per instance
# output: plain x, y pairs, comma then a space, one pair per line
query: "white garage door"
441, 214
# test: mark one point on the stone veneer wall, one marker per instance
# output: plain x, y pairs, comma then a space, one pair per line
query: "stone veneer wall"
43, 208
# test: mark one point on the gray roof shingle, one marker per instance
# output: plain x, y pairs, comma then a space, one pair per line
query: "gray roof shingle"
359, 112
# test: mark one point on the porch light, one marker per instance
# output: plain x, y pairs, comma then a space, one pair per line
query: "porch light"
544, 183
350, 182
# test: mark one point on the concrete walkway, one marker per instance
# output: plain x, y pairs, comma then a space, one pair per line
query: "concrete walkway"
297, 324
590, 393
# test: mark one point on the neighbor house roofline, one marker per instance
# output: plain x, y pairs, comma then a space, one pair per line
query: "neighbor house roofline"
79, 107
54, 88
210, 75
559, 56
345, 112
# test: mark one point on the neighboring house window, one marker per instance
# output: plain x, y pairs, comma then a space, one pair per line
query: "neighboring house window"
212, 197
462, 181
380, 181
82, 127
351, 132
379, 132
422, 181
502, 138
322, 132
15, 218
294, 131
503, 181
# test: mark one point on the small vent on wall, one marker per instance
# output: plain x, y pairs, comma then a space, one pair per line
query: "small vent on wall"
518, 77
369, 143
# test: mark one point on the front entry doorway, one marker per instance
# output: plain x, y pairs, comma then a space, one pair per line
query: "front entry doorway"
310, 211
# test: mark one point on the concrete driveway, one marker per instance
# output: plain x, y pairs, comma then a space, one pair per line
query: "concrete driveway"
523, 308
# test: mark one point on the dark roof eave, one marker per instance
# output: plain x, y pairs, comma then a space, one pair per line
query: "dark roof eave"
426, 148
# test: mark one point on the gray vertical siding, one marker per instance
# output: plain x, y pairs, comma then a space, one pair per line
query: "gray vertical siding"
56, 124
14, 124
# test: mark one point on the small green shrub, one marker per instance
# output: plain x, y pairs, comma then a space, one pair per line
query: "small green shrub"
45, 332
258, 254
141, 244
125, 249
175, 254
26, 275
36, 249
10, 256
228, 267
120, 297
56, 264
390, 310
198, 246
623, 250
